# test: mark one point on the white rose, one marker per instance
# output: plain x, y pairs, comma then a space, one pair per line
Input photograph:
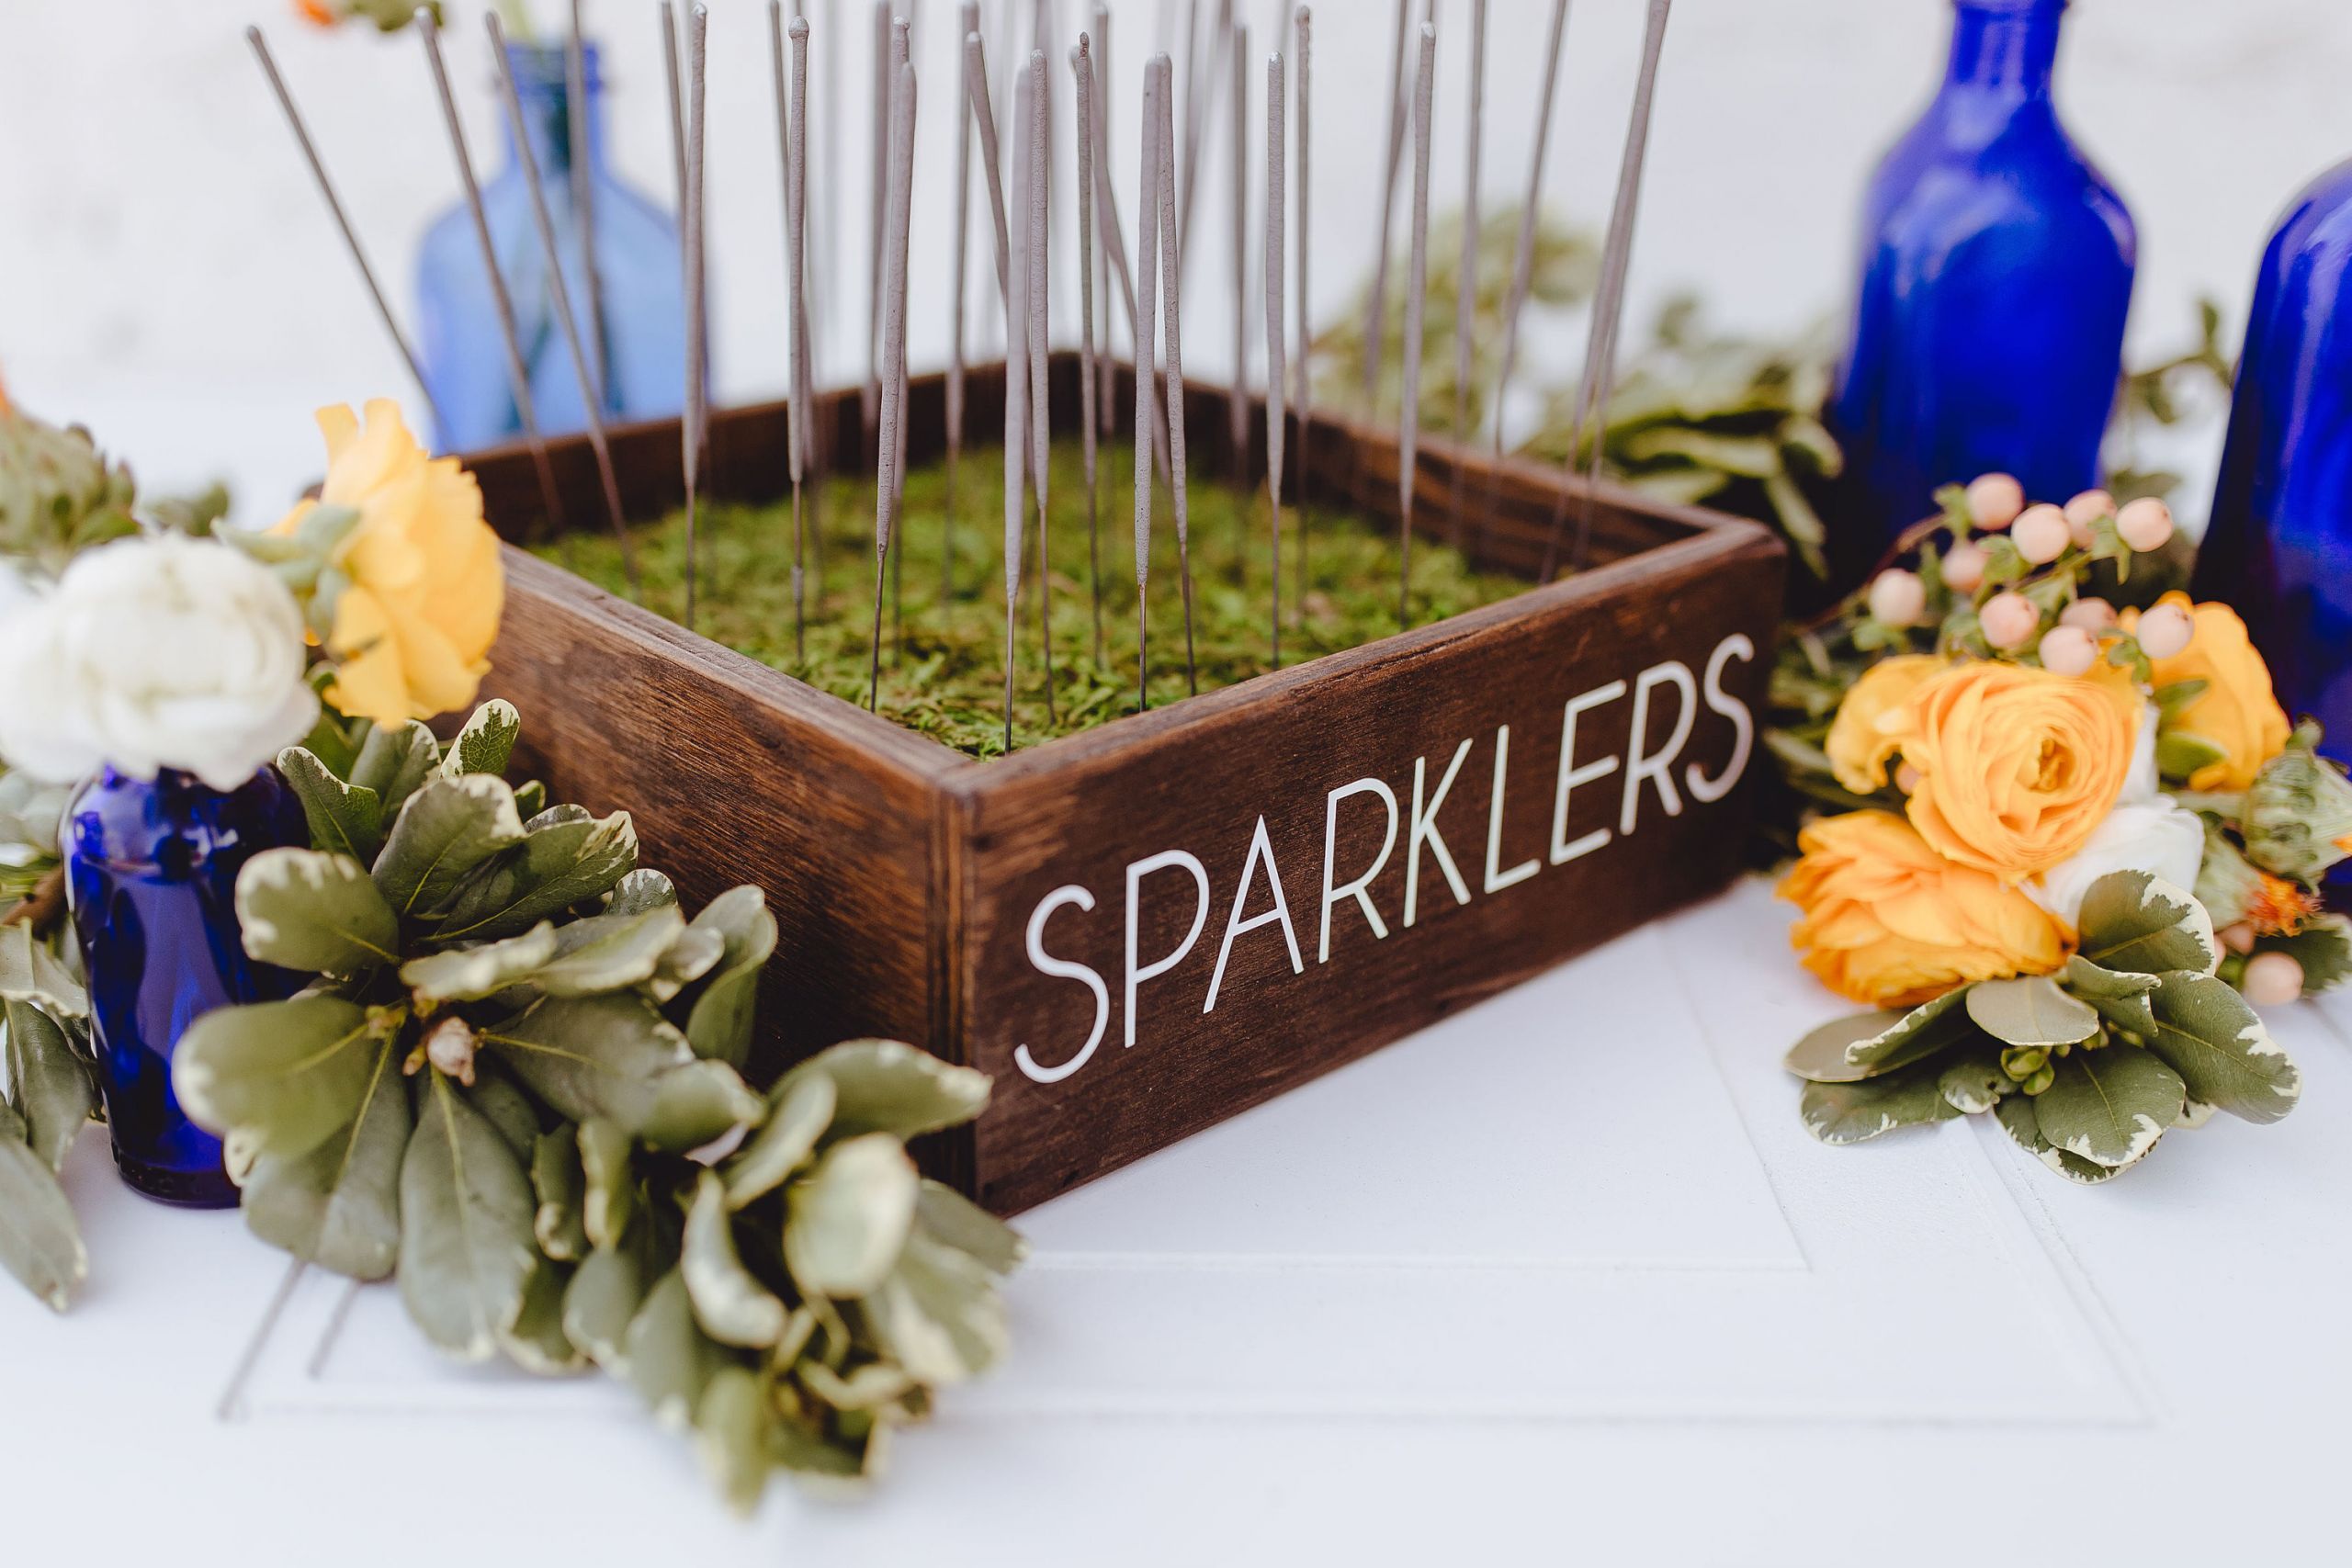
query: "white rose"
153, 653
2159, 836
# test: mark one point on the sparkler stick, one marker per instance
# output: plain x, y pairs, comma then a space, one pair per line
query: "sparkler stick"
560, 298
583, 188
1144, 320
792, 115
1081, 65
877, 239
1016, 381
1523, 269
517, 370
697, 30
1609, 300
1306, 29
1276, 371
1465, 302
342, 223
1237, 395
968, 26
1170, 265
1101, 73
1416, 305
1375, 309
1114, 248
894, 366
677, 100
893, 408
1038, 276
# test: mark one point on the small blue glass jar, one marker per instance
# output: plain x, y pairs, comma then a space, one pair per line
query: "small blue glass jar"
151, 875
1995, 271
641, 325
2279, 544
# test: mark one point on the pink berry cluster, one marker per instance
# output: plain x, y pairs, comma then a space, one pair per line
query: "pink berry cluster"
2042, 535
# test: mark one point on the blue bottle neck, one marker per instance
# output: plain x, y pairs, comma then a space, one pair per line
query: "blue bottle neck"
2004, 51
539, 82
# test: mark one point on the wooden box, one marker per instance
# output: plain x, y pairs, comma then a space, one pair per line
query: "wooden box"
1147, 928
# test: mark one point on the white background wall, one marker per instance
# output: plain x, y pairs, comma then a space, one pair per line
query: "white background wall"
167, 273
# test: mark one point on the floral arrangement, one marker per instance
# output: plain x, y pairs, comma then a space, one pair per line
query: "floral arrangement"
505, 1067
2074, 845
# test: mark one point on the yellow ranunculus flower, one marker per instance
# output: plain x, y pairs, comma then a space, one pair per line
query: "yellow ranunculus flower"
2017, 765
1889, 922
412, 630
1861, 741
2237, 710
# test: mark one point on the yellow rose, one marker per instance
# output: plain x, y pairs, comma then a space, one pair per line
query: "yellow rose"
1889, 922
2237, 710
412, 629
2017, 765
1861, 742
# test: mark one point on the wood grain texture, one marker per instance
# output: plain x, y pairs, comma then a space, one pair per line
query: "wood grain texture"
904, 876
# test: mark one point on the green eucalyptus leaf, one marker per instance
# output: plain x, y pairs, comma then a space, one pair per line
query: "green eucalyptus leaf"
610, 951
346, 819
535, 1340
1854, 1113
604, 1295
731, 1425
315, 913
733, 1306
40, 1243
470, 974
31, 973
800, 1111
447, 829
607, 1165
938, 1314
2214, 1039
953, 1220
281, 1076
1974, 1082
565, 857
2140, 924
52, 1086
562, 1187
887, 1086
2031, 1010
669, 1360
848, 1218
720, 1026
615, 1059
2120, 997
394, 762
1849, 1049
2109, 1106
485, 743
2019, 1120
466, 1213
338, 1205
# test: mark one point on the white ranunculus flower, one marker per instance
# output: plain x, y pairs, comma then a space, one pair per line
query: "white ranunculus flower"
152, 653
2139, 784
2159, 837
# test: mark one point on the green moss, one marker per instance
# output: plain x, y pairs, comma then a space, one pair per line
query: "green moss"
942, 663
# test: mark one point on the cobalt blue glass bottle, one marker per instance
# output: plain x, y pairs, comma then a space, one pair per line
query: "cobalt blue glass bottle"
640, 325
2279, 544
1995, 271
150, 874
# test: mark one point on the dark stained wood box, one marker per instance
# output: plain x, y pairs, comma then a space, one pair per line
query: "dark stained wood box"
1595, 733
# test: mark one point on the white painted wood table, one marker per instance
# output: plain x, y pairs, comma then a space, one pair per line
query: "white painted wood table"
1561, 1280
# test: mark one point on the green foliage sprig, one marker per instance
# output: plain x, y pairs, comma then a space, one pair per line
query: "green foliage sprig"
513, 1081
2086, 1069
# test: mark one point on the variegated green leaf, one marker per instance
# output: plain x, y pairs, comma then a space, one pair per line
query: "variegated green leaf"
51, 1085
282, 1076
886, 1086
938, 1314
470, 974
609, 952
466, 1211
2109, 1106
566, 857
561, 1189
669, 1358
535, 1340
2018, 1119
1854, 1113
315, 913
40, 1243
31, 973
2212, 1037
848, 1219
2031, 1010
1974, 1081
956, 1220
800, 1111
1850, 1049
604, 1295
719, 1027
2120, 997
393, 763
615, 1059
338, 1205
344, 818
2144, 925
449, 828
486, 742
607, 1164
733, 1306
730, 1433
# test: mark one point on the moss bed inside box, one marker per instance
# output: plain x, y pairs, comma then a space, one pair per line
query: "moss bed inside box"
942, 667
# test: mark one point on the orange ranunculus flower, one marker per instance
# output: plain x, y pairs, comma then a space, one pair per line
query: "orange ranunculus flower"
1861, 743
1889, 922
2237, 710
412, 629
2017, 765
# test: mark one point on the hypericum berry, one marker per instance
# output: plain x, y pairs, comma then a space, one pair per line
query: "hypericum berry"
2068, 650
1907, 778
2040, 534
2272, 979
2238, 938
2010, 620
1897, 597
2165, 631
2083, 513
1964, 565
2093, 615
2146, 524
1995, 501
